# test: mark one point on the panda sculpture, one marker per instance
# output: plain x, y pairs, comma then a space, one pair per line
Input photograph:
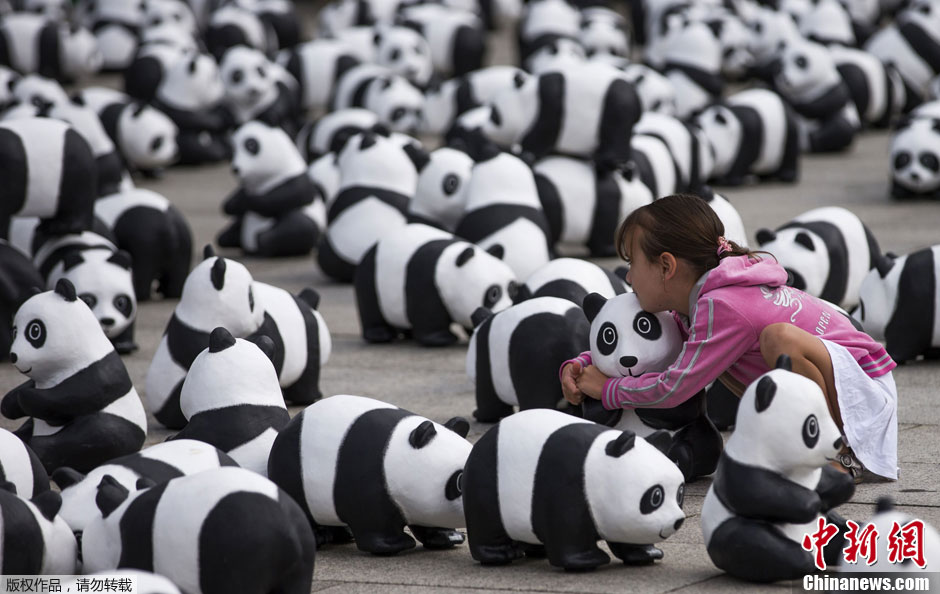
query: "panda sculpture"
419, 279
50, 173
876, 88
397, 102
445, 102
915, 159
116, 25
827, 251
655, 90
37, 90
544, 22
318, 66
886, 522
155, 234
329, 133
897, 304
360, 465
753, 132
155, 464
604, 32
626, 340
277, 209
222, 530
377, 179
82, 405
558, 502
233, 25
572, 279
456, 37
18, 277
771, 30
688, 146
584, 205
502, 364
260, 90
692, 61
29, 43
827, 22
503, 211
774, 481
655, 165
586, 112
232, 399
44, 545
440, 194
405, 52
281, 19
729, 215
20, 466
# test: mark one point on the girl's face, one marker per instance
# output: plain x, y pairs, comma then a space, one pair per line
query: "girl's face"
645, 276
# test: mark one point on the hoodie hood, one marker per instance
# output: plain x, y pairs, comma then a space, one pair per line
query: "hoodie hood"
739, 271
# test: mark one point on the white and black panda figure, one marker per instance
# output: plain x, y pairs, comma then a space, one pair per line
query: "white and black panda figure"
222, 530
572, 279
257, 89
20, 466
277, 209
559, 462
689, 148
546, 21
233, 25
808, 79
654, 163
325, 175
887, 521
117, 26
155, 234
771, 30
177, 13
584, 205
588, 112
501, 362
397, 102
318, 66
558, 54
18, 278
656, 91
877, 89
232, 399
82, 405
361, 466
898, 304
29, 43
280, 16
152, 465
445, 102
774, 481
377, 179
50, 173
827, 22
420, 279
329, 133
828, 252
38, 91
44, 543
101, 274
915, 159
753, 132
439, 199
456, 38
405, 52
692, 61
604, 31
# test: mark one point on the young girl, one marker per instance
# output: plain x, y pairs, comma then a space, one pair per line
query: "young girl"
737, 317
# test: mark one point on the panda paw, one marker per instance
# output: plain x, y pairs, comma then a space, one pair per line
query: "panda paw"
632, 554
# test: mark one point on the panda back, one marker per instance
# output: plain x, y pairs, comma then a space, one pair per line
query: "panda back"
853, 232
291, 326
40, 143
773, 117
574, 183
110, 208
569, 272
714, 514
394, 256
185, 456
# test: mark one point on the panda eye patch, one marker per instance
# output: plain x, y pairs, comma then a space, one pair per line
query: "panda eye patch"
647, 325
122, 303
495, 117
493, 294
607, 338
398, 114
36, 333
395, 55
680, 495
454, 488
262, 72
451, 183
930, 161
251, 300
252, 146
902, 160
811, 431
90, 300
721, 119
801, 62
237, 76
652, 499
156, 144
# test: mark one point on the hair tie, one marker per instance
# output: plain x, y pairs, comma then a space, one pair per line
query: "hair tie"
723, 246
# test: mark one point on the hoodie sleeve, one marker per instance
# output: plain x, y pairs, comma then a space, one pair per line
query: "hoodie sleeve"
584, 359
719, 335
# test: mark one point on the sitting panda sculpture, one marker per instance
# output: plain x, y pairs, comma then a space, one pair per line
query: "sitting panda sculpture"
361, 466
558, 504
915, 159
774, 481
83, 409
44, 543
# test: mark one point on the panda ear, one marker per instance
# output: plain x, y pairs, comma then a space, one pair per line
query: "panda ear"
766, 388
78, 99
518, 79
144, 483
784, 362
422, 435
49, 503
884, 504
805, 240
111, 494
71, 260
458, 425
480, 315
623, 444
765, 236
310, 297
208, 252
465, 256
884, 266
716, 27
418, 156
265, 344
65, 477
367, 140
661, 440
217, 275
519, 292
138, 110
592, 304
497, 251
122, 259
65, 288
377, 38
220, 339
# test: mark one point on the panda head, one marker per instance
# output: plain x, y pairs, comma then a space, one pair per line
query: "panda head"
558, 54
218, 292
770, 31
693, 45
828, 22
924, 13
513, 110
405, 52
650, 489
628, 341
806, 71
373, 160
55, 335
915, 155
79, 52
231, 372
878, 296
193, 82
249, 79
735, 39
79, 491
442, 182
39, 91
501, 177
469, 277
59, 550
103, 280
802, 253
264, 156
783, 424
101, 539
604, 31
397, 102
147, 137
656, 92
724, 133
158, 13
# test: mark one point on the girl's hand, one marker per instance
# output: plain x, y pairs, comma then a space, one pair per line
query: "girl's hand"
591, 382
569, 378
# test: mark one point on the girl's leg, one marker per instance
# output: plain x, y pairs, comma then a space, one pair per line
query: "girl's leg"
810, 359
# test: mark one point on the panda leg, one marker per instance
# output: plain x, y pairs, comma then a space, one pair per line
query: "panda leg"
696, 448
332, 264
620, 112
87, 442
437, 538
722, 406
374, 326
789, 170
633, 554
299, 577
176, 270
756, 551
835, 135
293, 235
231, 236
124, 342
170, 415
25, 431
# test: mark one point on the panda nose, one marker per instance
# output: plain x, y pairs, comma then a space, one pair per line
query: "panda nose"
628, 361
915, 177
107, 321
679, 523
12, 357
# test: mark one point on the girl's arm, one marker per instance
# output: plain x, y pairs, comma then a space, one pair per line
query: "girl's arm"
584, 359
710, 349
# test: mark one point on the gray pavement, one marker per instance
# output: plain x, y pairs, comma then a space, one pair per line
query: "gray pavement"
432, 382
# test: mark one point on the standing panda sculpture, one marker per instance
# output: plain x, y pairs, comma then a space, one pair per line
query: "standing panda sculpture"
420, 279
572, 279
363, 466
44, 545
20, 466
82, 405
503, 365
827, 251
915, 159
774, 482
222, 530
540, 483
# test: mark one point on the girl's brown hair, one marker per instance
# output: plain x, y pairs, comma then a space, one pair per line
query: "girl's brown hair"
683, 225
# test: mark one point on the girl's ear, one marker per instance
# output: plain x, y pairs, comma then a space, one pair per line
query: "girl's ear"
669, 264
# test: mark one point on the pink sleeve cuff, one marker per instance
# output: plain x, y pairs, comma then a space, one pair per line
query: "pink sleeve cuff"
584, 359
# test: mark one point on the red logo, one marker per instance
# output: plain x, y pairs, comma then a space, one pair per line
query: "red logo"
907, 542
817, 540
904, 542
861, 543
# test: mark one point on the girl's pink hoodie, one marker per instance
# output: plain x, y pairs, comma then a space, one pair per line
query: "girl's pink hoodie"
729, 306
